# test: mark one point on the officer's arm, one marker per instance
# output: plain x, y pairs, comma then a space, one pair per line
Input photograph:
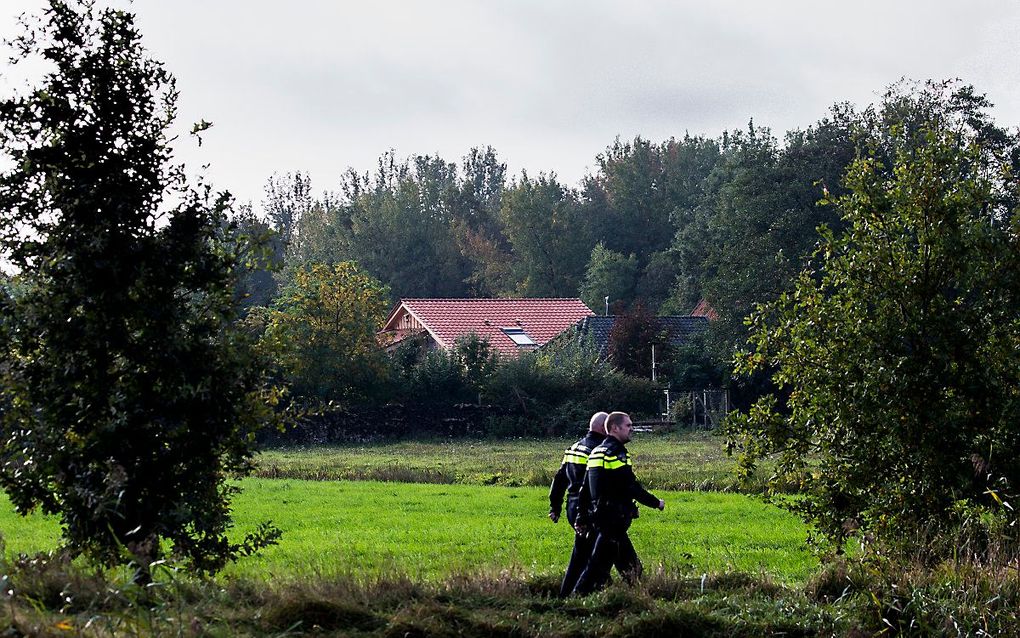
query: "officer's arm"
556, 492
640, 494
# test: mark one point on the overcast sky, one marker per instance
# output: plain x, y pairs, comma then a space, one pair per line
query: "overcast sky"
319, 86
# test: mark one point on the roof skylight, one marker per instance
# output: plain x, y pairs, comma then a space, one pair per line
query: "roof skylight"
518, 336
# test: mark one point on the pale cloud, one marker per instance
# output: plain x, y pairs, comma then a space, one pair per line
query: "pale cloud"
320, 86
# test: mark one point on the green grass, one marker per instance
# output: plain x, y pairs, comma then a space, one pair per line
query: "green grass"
690, 460
423, 531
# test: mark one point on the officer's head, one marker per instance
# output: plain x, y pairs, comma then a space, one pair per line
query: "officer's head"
618, 426
598, 422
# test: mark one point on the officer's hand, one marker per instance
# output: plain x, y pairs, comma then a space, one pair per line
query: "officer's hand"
662, 504
581, 529
554, 516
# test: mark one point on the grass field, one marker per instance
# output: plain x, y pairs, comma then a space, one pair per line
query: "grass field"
467, 550
690, 460
424, 531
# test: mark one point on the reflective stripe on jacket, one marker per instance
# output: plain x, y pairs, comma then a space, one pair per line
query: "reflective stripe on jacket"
570, 476
610, 487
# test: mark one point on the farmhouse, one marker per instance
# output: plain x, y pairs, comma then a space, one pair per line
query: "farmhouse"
509, 325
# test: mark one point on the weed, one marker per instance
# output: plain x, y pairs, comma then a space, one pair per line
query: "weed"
490, 605
319, 615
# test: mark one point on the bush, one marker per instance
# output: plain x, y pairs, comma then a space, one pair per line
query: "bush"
321, 332
435, 392
438, 379
681, 410
554, 392
425, 376
896, 355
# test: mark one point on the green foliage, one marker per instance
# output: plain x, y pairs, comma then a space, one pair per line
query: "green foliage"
259, 258
549, 234
478, 359
756, 225
420, 225
641, 189
609, 274
555, 389
898, 354
288, 200
477, 228
128, 395
631, 339
322, 331
691, 366
400, 227
437, 378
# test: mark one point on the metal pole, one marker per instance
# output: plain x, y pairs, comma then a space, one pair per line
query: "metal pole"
704, 401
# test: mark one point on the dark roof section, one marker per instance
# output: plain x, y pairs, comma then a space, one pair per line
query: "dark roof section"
680, 328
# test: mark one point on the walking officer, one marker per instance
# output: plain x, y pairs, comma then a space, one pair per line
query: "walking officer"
568, 479
607, 496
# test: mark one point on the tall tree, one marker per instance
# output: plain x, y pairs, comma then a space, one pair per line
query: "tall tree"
261, 257
288, 197
129, 396
609, 275
550, 236
401, 227
477, 226
898, 352
637, 208
322, 329
758, 222
642, 196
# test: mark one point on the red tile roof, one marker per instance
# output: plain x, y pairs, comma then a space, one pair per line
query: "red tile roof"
448, 319
703, 309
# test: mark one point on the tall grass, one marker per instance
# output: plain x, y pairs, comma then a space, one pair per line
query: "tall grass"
48, 596
52, 597
689, 460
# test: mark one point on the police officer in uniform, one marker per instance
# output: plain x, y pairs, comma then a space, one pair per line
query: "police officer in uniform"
568, 480
607, 497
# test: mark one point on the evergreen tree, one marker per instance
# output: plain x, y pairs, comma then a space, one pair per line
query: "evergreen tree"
129, 398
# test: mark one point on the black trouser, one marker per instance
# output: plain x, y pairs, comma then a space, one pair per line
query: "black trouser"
583, 544
612, 547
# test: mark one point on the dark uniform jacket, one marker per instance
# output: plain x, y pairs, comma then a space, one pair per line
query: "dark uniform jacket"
570, 476
610, 487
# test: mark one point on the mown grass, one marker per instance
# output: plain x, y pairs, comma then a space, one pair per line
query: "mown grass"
687, 460
430, 532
